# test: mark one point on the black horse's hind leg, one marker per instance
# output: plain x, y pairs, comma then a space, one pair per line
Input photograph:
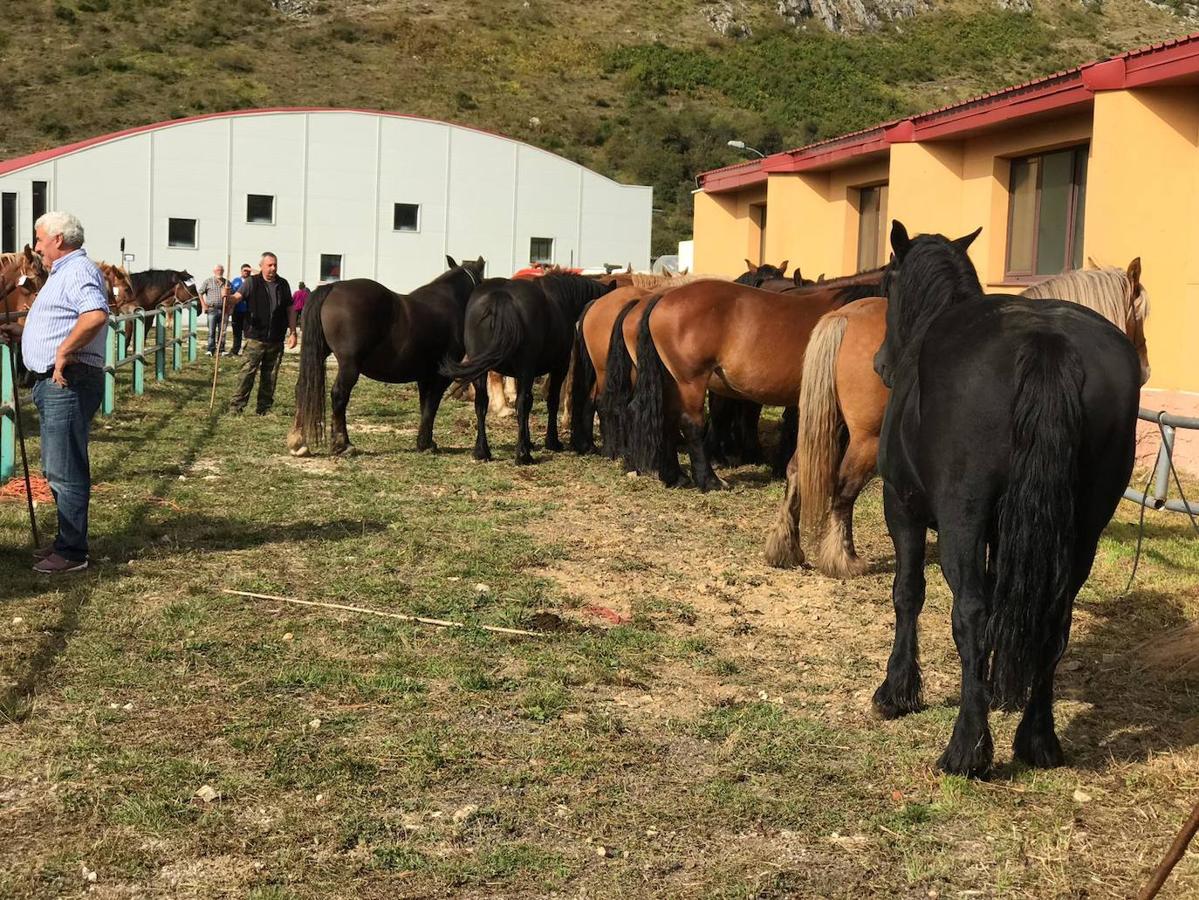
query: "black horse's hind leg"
431, 390
900, 692
552, 400
748, 415
524, 406
347, 377
482, 449
788, 435
963, 550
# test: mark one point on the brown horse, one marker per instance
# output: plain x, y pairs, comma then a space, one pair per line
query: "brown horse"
734, 340
22, 275
841, 411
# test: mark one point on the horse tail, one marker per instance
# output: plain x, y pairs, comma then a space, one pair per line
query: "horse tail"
821, 432
309, 428
618, 388
646, 439
582, 385
1034, 543
812, 480
507, 333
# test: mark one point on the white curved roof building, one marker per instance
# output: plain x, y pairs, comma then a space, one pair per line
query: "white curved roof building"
334, 193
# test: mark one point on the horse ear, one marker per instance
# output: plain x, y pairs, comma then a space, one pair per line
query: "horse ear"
783, 266
900, 242
1091, 264
1134, 274
629, 269
820, 280
797, 276
750, 267
449, 261
966, 240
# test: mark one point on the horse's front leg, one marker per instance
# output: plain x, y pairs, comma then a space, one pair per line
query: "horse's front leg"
553, 399
900, 692
964, 563
482, 449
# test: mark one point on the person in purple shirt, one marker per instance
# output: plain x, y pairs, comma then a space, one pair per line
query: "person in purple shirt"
62, 344
298, 299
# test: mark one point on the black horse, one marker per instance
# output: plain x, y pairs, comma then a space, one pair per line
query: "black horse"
522, 328
1010, 431
383, 335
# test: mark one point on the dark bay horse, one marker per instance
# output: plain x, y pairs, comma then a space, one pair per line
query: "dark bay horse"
522, 329
383, 335
732, 339
841, 405
1011, 431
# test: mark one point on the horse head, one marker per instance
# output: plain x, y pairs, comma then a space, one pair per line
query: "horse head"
22, 275
927, 273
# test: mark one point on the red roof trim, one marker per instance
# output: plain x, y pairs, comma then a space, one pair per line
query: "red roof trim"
1060, 92
41, 156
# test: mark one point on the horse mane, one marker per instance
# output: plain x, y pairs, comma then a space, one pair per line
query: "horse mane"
573, 291
1105, 290
652, 282
933, 275
155, 278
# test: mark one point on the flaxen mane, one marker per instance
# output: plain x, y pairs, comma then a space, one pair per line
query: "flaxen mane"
1103, 290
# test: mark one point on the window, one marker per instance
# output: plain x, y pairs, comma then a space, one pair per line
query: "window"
541, 250
181, 233
407, 217
8, 222
260, 209
1045, 213
330, 267
39, 204
872, 227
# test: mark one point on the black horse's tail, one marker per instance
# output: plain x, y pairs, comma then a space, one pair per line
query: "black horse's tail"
582, 384
618, 388
1034, 545
310, 387
507, 334
646, 438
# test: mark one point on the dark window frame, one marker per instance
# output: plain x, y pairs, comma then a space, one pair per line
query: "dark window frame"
9, 214
879, 242
341, 261
251, 221
1080, 152
533, 258
395, 217
194, 245
40, 202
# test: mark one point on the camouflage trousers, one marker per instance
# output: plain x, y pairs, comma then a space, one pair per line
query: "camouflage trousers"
257, 355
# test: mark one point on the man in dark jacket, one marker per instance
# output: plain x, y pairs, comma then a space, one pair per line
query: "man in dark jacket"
269, 316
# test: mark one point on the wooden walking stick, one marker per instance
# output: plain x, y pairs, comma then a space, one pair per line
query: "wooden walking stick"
216, 362
1170, 860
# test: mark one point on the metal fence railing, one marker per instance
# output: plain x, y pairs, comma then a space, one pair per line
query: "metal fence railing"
182, 342
1163, 470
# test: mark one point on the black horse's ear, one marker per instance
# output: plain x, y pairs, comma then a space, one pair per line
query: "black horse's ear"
449, 261
900, 242
750, 266
966, 240
797, 276
783, 267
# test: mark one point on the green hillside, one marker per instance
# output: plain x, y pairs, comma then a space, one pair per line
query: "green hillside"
641, 91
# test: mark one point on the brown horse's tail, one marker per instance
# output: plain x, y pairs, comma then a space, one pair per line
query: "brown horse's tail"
618, 388
645, 437
309, 428
813, 479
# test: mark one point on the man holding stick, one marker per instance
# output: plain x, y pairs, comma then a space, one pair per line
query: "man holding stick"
270, 314
62, 344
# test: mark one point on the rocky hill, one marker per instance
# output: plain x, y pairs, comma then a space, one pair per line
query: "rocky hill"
647, 91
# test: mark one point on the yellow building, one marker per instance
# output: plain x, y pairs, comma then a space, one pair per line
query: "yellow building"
1099, 162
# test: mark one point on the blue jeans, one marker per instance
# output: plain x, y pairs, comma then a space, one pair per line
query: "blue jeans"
66, 418
215, 327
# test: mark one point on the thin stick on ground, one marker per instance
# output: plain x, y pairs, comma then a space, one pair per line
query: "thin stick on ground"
216, 362
1173, 855
423, 620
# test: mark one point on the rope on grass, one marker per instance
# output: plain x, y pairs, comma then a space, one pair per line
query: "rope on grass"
423, 620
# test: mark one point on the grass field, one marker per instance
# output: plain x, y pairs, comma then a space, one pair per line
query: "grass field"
716, 742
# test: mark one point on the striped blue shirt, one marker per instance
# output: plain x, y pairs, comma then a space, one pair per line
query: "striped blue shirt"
75, 287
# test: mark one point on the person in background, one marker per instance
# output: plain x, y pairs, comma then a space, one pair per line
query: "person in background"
239, 310
298, 299
213, 293
62, 344
271, 315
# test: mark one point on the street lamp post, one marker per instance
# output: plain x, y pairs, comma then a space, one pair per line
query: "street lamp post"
741, 145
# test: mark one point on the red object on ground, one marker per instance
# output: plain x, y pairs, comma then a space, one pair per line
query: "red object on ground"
602, 612
14, 489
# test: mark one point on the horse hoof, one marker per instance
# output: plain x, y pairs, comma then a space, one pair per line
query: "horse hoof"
525, 459
484, 456
555, 447
300, 451
1041, 750
973, 761
346, 451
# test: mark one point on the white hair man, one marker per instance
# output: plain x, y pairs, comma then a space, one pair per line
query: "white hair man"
214, 291
62, 344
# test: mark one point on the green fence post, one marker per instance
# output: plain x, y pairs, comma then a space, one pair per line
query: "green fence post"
160, 352
139, 354
191, 332
177, 339
8, 431
110, 367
